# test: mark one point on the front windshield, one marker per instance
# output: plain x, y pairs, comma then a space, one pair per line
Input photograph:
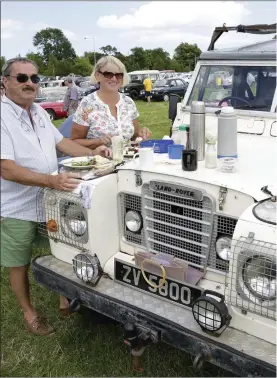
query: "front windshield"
160, 83
243, 87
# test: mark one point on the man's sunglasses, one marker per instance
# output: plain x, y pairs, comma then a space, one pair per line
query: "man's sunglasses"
110, 75
23, 78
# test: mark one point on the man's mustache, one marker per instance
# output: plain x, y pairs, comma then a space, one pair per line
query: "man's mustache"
28, 89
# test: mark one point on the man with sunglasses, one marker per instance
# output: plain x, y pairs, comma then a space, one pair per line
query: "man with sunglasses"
28, 157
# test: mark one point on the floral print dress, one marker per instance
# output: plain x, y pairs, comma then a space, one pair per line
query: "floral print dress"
96, 115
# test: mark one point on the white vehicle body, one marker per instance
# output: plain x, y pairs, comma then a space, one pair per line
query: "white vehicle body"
53, 86
140, 75
178, 225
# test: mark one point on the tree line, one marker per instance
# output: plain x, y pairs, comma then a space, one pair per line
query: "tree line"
57, 57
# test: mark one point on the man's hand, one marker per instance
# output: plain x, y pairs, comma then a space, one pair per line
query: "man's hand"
64, 181
145, 133
103, 151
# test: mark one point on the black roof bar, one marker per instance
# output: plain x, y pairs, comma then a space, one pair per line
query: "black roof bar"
252, 29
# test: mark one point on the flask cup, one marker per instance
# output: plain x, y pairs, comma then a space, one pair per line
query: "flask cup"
189, 160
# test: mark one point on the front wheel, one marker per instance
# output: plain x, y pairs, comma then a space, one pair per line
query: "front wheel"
134, 95
166, 97
52, 114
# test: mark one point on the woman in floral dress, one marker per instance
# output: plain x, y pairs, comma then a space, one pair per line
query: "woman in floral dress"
106, 112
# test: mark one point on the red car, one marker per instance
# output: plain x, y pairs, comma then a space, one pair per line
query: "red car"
54, 109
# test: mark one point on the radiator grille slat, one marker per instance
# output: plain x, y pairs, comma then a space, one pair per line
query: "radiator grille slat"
174, 203
177, 227
164, 234
168, 212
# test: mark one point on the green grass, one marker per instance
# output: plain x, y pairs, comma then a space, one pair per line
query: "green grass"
85, 344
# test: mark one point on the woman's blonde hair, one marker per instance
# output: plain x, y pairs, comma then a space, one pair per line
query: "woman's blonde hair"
112, 60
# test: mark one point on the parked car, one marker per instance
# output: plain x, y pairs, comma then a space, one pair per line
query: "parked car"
163, 88
83, 92
54, 106
186, 76
134, 88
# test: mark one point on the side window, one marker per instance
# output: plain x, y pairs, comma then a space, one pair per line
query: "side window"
180, 83
194, 96
172, 83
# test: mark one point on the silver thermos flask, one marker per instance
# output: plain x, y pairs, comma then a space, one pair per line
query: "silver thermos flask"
197, 128
227, 133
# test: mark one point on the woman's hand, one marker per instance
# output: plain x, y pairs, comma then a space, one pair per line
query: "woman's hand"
106, 140
103, 151
145, 133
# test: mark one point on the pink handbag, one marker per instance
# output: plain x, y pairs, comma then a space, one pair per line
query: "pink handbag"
167, 266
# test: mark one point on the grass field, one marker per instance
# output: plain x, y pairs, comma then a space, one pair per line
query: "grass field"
85, 344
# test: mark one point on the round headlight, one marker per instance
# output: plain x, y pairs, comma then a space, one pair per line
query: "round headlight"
259, 276
87, 267
211, 314
133, 221
223, 247
207, 315
76, 220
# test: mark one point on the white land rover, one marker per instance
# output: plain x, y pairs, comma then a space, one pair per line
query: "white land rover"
218, 302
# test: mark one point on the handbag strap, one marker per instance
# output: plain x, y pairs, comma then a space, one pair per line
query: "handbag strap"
147, 280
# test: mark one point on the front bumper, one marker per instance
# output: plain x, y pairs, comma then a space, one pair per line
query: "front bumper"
157, 96
235, 351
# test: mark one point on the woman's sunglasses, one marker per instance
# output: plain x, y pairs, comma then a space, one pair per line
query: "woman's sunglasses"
110, 75
23, 78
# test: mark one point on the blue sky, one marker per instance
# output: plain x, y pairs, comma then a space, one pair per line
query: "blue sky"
127, 24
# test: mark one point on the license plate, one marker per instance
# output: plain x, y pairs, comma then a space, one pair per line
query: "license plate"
173, 291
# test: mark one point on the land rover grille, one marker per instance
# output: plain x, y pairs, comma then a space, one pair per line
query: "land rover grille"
185, 228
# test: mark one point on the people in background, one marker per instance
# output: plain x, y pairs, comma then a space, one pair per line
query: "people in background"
218, 81
148, 88
71, 98
106, 112
28, 159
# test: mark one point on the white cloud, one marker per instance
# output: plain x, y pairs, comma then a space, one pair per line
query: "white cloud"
9, 27
159, 14
169, 23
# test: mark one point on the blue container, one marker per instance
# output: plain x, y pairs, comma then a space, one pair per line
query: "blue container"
160, 145
175, 151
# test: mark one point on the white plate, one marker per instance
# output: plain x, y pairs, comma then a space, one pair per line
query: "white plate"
68, 162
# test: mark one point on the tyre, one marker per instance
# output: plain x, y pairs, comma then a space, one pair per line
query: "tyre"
166, 97
134, 95
52, 114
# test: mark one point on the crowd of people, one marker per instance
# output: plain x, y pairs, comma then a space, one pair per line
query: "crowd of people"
29, 147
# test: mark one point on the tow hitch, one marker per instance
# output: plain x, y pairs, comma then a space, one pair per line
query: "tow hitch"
199, 360
137, 338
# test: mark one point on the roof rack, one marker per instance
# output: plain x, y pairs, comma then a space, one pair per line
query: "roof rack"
252, 29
